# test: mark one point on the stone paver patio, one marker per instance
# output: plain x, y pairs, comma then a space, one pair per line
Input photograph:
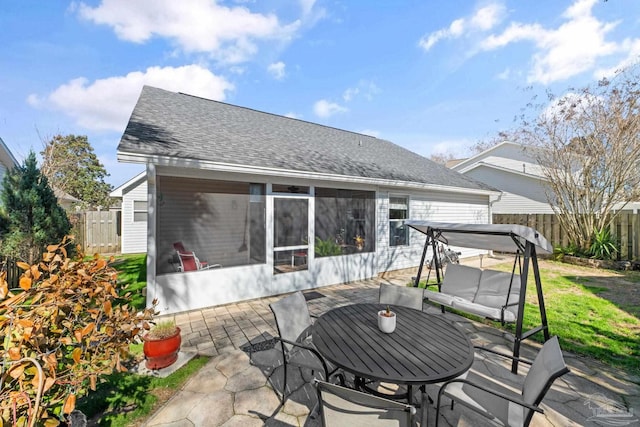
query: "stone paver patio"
236, 387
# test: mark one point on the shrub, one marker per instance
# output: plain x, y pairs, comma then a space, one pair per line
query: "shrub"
69, 316
327, 247
603, 245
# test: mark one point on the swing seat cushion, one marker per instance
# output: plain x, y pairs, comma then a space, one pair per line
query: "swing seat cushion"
484, 310
479, 292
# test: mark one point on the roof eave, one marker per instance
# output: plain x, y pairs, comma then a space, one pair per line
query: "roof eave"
130, 157
503, 169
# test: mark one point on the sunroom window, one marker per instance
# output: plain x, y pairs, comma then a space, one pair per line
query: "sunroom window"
221, 222
344, 221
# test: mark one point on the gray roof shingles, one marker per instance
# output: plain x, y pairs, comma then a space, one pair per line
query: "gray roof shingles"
176, 125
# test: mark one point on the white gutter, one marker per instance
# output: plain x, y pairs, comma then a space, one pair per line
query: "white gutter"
290, 173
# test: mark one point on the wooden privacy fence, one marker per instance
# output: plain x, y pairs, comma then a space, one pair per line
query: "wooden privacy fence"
97, 231
625, 228
13, 271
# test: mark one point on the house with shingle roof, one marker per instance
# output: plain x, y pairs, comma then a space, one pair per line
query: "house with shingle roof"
131, 197
270, 204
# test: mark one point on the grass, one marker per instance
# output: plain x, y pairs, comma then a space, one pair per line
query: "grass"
585, 320
132, 274
125, 399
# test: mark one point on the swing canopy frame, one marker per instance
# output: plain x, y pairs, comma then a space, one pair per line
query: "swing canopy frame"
524, 242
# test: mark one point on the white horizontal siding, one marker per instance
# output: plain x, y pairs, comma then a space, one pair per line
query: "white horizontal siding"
521, 194
435, 206
515, 204
134, 234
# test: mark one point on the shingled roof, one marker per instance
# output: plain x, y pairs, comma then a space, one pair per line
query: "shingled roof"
171, 125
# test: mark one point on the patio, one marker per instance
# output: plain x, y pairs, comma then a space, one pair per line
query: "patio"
233, 388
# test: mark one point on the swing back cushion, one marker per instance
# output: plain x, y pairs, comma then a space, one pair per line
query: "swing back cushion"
485, 293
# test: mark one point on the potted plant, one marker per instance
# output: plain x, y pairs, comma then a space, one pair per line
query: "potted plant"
161, 344
386, 320
359, 242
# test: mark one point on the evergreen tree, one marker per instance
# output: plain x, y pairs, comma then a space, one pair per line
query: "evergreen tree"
34, 219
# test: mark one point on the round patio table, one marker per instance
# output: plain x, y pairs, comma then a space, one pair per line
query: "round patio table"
423, 349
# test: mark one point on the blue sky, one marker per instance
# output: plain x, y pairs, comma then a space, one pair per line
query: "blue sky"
429, 75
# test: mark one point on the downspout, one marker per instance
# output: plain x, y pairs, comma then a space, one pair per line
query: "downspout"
492, 200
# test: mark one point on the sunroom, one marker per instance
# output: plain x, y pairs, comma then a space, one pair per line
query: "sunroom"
269, 204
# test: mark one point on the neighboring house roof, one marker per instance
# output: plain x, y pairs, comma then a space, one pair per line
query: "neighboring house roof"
506, 155
61, 194
522, 172
133, 182
183, 130
6, 157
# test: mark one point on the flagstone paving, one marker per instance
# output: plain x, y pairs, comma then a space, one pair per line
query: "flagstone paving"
236, 387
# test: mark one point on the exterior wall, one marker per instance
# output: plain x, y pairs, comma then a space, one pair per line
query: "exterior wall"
511, 203
180, 291
134, 233
522, 194
434, 206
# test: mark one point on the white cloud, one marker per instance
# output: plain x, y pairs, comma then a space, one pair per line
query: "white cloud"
632, 47
453, 146
365, 88
277, 70
505, 74
563, 52
293, 115
483, 19
228, 34
350, 93
106, 104
326, 109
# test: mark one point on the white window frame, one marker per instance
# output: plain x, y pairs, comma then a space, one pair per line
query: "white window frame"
137, 210
408, 204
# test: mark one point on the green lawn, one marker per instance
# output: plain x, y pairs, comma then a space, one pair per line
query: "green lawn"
582, 312
132, 274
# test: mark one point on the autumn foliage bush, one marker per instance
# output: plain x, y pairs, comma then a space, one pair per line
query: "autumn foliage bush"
68, 315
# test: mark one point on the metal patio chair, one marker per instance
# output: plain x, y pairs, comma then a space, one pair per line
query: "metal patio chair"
341, 406
401, 295
501, 404
294, 333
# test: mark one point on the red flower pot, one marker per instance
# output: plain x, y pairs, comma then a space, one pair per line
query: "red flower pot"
163, 352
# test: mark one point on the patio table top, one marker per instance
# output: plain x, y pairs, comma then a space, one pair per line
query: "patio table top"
423, 349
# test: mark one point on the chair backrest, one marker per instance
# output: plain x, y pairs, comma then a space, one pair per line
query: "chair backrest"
188, 261
292, 316
340, 406
547, 366
499, 288
401, 295
179, 247
461, 281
